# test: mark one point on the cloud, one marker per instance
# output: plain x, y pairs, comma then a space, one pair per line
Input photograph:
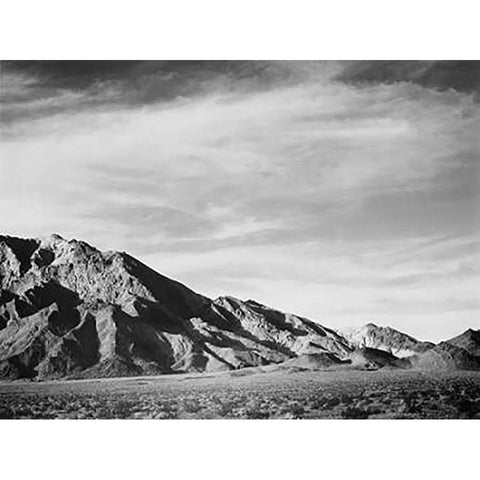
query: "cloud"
277, 180
462, 76
37, 89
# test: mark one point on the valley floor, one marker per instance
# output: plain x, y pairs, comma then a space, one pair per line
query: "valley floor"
251, 393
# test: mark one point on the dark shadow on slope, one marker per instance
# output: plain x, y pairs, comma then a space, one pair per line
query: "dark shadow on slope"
174, 296
23, 249
45, 294
236, 327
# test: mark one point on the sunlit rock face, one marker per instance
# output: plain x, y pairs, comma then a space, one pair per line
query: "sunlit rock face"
68, 309
385, 338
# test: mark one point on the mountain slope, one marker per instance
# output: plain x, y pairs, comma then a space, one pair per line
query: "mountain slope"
446, 356
68, 309
367, 358
385, 338
458, 353
468, 340
293, 334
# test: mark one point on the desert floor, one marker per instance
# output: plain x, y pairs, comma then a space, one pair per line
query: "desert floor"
251, 393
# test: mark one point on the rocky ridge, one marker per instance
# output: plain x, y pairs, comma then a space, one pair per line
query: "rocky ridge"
385, 338
70, 310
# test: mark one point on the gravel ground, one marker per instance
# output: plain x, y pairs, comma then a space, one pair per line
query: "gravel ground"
251, 394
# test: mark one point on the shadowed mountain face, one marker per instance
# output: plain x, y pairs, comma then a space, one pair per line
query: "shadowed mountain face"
70, 310
458, 353
446, 356
469, 341
67, 309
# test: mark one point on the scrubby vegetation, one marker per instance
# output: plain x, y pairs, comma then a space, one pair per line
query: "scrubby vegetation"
274, 395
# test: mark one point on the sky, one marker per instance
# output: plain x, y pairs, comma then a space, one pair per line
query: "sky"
346, 192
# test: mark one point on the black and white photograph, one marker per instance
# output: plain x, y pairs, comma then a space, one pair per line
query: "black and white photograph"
240, 239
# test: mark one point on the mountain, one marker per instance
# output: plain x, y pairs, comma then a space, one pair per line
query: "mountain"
468, 340
367, 358
458, 353
385, 338
446, 356
70, 310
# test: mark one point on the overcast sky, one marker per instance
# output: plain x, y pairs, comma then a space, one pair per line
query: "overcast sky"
344, 192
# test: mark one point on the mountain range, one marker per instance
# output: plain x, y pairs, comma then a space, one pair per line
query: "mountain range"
69, 310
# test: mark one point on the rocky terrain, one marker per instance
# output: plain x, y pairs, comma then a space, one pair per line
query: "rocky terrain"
445, 356
68, 310
469, 341
385, 338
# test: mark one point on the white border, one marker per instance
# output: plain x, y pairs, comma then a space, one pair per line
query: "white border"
247, 29
211, 449
368, 29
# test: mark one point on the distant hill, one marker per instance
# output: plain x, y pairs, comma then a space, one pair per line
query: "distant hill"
372, 359
446, 356
385, 338
469, 341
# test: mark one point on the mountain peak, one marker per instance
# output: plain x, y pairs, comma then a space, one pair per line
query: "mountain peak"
67, 308
468, 340
55, 237
384, 338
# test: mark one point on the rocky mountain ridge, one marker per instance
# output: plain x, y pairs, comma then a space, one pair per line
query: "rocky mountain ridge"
385, 338
70, 310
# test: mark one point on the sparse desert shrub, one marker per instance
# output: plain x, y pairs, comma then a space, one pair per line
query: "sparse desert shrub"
315, 404
6, 412
331, 402
354, 413
297, 410
306, 396
468, 408
256, 414
225, 409
122, 409
166, 412
191, 405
